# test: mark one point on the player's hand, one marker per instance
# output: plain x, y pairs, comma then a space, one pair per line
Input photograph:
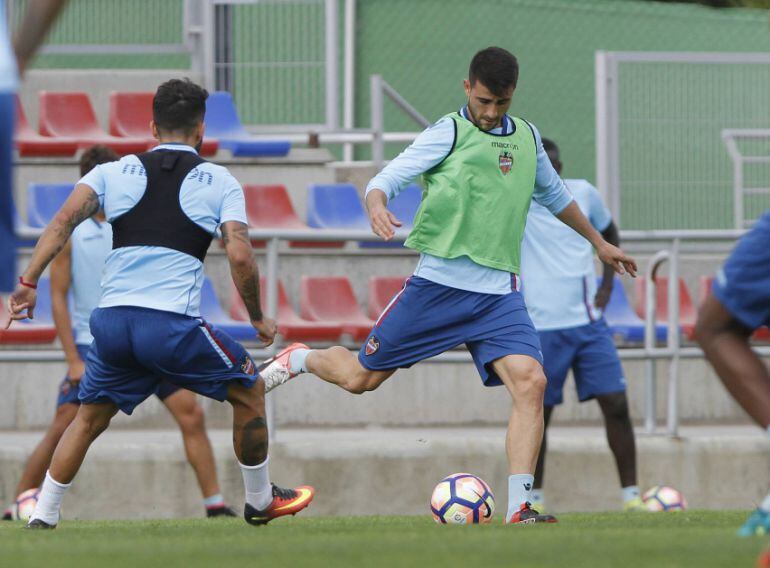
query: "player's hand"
602, 297
382, 221
266, 329
23, 299
617, 259
75, 371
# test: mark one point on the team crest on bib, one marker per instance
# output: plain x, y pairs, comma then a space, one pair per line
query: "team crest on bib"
372, 345
505, 161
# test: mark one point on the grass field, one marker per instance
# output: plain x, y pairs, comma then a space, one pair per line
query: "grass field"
697, 538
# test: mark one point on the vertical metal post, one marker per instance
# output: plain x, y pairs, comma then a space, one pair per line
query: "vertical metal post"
377, 120
271, 310
348, 117
601, 88
672, 420
207, 43
332, 66
613, 141
650, 386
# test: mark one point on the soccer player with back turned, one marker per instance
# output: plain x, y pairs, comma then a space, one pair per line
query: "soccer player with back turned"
164, 207
480, 169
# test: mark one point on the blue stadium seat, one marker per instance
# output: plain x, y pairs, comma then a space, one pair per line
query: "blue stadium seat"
43, 312
44, 200
222, 122
212, 312
18, 222
623, 322
335, 206
406, 203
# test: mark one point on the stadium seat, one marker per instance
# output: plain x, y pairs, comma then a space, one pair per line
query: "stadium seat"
212, 312
331, 299
30, 144
37, 331
623, 322
761, 334
382, 289
130, 116
222, 123
404, 206
687, 313
269, 207
71, 116
335, 206
18, 223
44, 200
290, 325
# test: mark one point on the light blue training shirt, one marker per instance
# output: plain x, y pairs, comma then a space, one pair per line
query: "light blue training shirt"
158, 277
558, 264
430, 148
9, 77
91, 244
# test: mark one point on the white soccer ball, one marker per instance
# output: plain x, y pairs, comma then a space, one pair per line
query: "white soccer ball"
25, 504
661, 498
462, 498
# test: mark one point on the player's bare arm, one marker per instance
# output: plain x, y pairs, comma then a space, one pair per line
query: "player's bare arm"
381, 219
245, 273
612, 236
608, 254
38, 18
61, 279
80, 205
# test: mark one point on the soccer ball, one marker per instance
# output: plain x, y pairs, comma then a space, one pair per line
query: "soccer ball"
24, 505
661, 498
462, 498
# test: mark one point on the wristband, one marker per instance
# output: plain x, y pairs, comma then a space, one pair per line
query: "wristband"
27, 284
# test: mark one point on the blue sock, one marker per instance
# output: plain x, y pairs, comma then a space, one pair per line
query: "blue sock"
214, 501
297, 360
519, 491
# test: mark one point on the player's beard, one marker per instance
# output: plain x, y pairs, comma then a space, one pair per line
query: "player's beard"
476, 121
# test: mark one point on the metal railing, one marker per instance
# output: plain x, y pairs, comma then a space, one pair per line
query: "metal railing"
730, 137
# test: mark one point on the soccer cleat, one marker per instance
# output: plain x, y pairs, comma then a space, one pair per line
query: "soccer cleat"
220, 511
758, 524
276, 370
635, 505
526, 515
285, 502
8, 514
39, 524
538, 506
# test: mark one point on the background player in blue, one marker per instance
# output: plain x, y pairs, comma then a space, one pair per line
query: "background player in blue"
738, 304
37, 19
480, 168
76, 272
164, 207
560, 289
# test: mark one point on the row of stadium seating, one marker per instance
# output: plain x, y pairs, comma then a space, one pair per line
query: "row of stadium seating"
67, 122
329, 310
331, 206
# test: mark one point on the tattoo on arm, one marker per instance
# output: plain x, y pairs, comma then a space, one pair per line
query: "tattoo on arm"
245, 275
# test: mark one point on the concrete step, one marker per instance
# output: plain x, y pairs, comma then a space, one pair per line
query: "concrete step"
143, 474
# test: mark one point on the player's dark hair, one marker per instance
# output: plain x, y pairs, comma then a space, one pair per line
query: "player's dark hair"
95, 155
179, 105
496, 68
550, 146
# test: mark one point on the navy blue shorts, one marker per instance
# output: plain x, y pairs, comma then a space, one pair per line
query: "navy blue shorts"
69, 390
590, 352
135, 349
742, 285
7, 234
425, 319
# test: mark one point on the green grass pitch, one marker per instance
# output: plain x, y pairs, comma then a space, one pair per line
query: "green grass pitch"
693, 538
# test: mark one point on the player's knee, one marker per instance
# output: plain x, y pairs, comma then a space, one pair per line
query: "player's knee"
531, 382
362, 382
614, 406
193, 420
94, 424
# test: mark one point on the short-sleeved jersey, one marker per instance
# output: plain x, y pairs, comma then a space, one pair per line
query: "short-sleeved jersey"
157, 277
91, 244
558, 276
9, 80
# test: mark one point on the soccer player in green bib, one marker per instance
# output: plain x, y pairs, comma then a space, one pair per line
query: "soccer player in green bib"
481, 168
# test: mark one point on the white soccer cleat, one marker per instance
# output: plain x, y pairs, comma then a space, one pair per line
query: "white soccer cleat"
277, 370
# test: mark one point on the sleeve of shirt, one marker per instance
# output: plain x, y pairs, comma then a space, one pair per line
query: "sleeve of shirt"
95, 179
428, 149
233, 203
598, 213
550, 191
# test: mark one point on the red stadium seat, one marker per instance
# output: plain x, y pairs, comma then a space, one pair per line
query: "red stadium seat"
382, 289
130, 116
31, 144
290, 325
331, 299
761, 334
70, 115
23, 333
687, 315
269, 207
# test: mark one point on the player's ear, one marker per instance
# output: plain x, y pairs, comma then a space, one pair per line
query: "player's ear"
467, 87
154, 129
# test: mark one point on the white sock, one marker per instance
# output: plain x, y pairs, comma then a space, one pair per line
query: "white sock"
297, 360
765, 505
538, 496
49, 500
214, 501
630, 493
519, 491
256, 483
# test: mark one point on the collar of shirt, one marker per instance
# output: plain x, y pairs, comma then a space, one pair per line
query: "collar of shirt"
174, 146
502, 130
